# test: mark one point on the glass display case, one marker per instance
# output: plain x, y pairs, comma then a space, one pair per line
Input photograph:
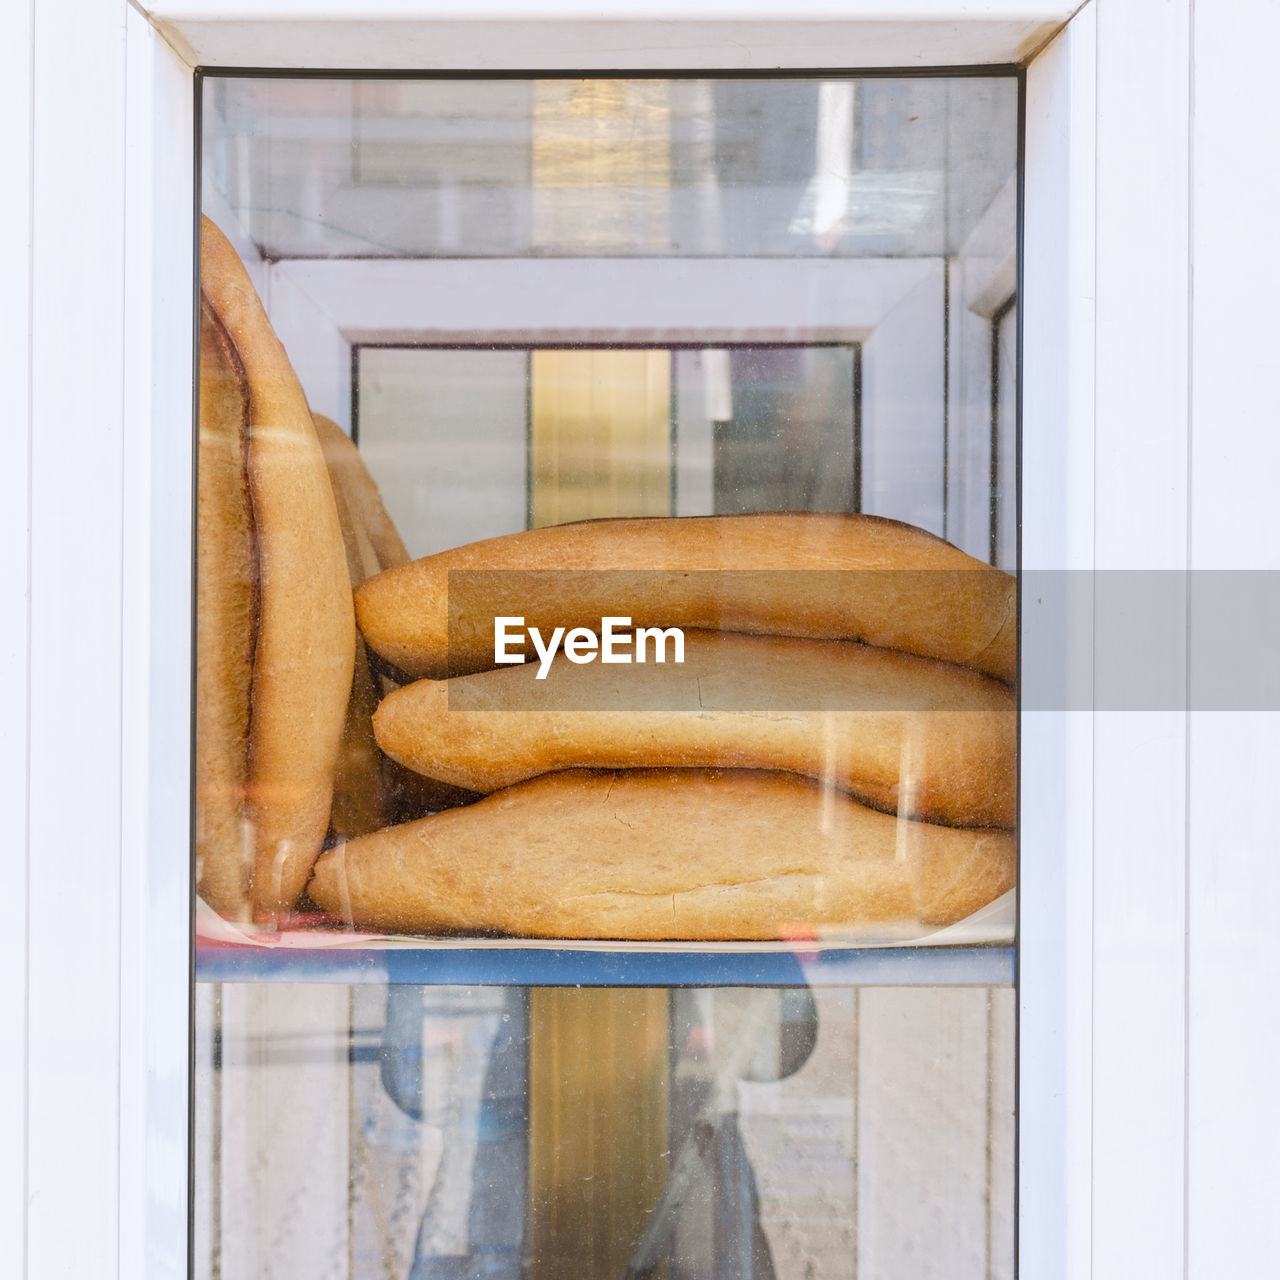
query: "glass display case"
774, 316
1143, 958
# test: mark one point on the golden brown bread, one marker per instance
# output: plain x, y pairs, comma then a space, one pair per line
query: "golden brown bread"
370, 790
360, 494
360, 802
226, 626
903, 734
342, 460
304, 646
665, 854
899, 588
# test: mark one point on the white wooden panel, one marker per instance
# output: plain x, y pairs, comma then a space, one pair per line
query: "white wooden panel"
1056, 814
285, 1115
155, 727
319, 354
1235, 449
636, 33
637, 300
1234, 882
1233, 1170
922, 1133
73, 1026
445, 435
1139, 862
553, 10
903, 405
15, 505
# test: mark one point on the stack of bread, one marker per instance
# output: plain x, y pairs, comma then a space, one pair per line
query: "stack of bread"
834, 756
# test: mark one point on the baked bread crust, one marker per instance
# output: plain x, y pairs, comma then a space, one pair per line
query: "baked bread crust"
226, 624
907, 735
360, 801
360, 494
664, 854
305, 644
907, 590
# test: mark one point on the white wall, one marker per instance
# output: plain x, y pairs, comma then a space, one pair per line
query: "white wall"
1233, 966
97, 342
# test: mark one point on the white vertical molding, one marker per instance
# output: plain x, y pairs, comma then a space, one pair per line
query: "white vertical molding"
15, 507
1139, 863
1234, 758
156, 656
77, 395
628, 34
1055, 896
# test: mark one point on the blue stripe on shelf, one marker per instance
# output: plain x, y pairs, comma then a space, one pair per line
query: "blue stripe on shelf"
538, 967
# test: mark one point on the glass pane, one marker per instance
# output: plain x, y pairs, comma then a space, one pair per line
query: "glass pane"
605, 772
444, 434
1004, 438
507, 168
475, 1131
788, 441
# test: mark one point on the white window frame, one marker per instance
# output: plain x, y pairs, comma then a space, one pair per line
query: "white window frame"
1116, 1141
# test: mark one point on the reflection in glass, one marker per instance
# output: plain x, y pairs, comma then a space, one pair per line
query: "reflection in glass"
384, 1129
433, 1132
850, 167
468, 443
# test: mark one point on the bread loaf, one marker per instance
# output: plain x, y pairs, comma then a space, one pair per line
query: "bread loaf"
904, 734
226, 600
665, 854
359, 493
360, 802
304, 641
845, 577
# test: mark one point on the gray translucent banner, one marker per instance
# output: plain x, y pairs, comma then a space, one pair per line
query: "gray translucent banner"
1122, 640
1151, 640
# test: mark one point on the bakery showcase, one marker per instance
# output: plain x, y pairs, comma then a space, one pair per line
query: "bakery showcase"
720, 365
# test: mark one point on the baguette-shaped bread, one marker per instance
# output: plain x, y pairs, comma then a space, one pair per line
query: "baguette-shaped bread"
226, 598
360, 494
665, 854
304, 648
900, 588
360, 801
345, 465
370, 789
906, 735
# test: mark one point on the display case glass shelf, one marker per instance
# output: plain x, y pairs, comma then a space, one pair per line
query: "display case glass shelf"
564, 965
